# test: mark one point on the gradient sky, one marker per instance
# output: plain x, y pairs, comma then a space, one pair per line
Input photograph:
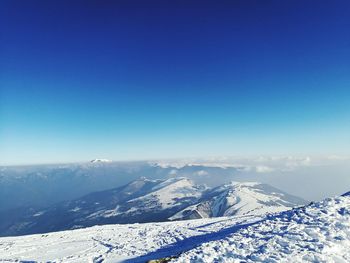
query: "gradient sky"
162, 79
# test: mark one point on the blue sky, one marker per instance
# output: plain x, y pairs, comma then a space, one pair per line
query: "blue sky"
141, 80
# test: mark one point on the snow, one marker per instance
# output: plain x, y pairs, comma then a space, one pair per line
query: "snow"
168, 192
38, 213
75, 209
319, 232
250, 202
100, 161
146, 200
111, 243
238, 198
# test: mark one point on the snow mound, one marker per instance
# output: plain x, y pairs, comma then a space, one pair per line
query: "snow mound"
319, 232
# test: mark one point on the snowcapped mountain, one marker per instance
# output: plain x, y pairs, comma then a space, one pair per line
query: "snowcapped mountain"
318, 232
100, 161
169, 193
142, 200
249, 198
146, 200
62, 182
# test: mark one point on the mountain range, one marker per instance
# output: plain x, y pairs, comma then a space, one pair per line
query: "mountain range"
317, 232
145, 200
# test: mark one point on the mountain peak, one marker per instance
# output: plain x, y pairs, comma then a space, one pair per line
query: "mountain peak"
241, 199
100, 161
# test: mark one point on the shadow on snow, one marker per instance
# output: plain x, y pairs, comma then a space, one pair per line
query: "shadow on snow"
180, 246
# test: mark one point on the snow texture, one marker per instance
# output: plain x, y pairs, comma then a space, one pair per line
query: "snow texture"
319, 232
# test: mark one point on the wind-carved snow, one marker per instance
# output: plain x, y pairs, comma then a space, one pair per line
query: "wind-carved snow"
111, 243
319, 232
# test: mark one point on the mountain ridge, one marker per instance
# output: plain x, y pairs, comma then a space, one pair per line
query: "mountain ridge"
145, 200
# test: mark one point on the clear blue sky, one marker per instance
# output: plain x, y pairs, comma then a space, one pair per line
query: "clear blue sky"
161, 79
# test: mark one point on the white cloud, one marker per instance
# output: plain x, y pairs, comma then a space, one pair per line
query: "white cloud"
264, 169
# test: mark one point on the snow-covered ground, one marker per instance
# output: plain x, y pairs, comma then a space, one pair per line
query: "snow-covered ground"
116, 243
319, 232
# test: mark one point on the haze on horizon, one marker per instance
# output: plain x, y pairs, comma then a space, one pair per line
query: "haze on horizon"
132, 80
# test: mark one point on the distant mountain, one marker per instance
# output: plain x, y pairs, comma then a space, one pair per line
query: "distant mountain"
241, 199
39, 186
100, 161
146, 200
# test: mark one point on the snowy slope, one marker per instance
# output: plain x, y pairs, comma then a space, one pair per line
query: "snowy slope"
319, 232
112, 243
168, 193
248, 198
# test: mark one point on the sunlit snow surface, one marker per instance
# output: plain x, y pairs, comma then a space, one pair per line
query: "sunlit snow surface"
114, 243
319, 232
